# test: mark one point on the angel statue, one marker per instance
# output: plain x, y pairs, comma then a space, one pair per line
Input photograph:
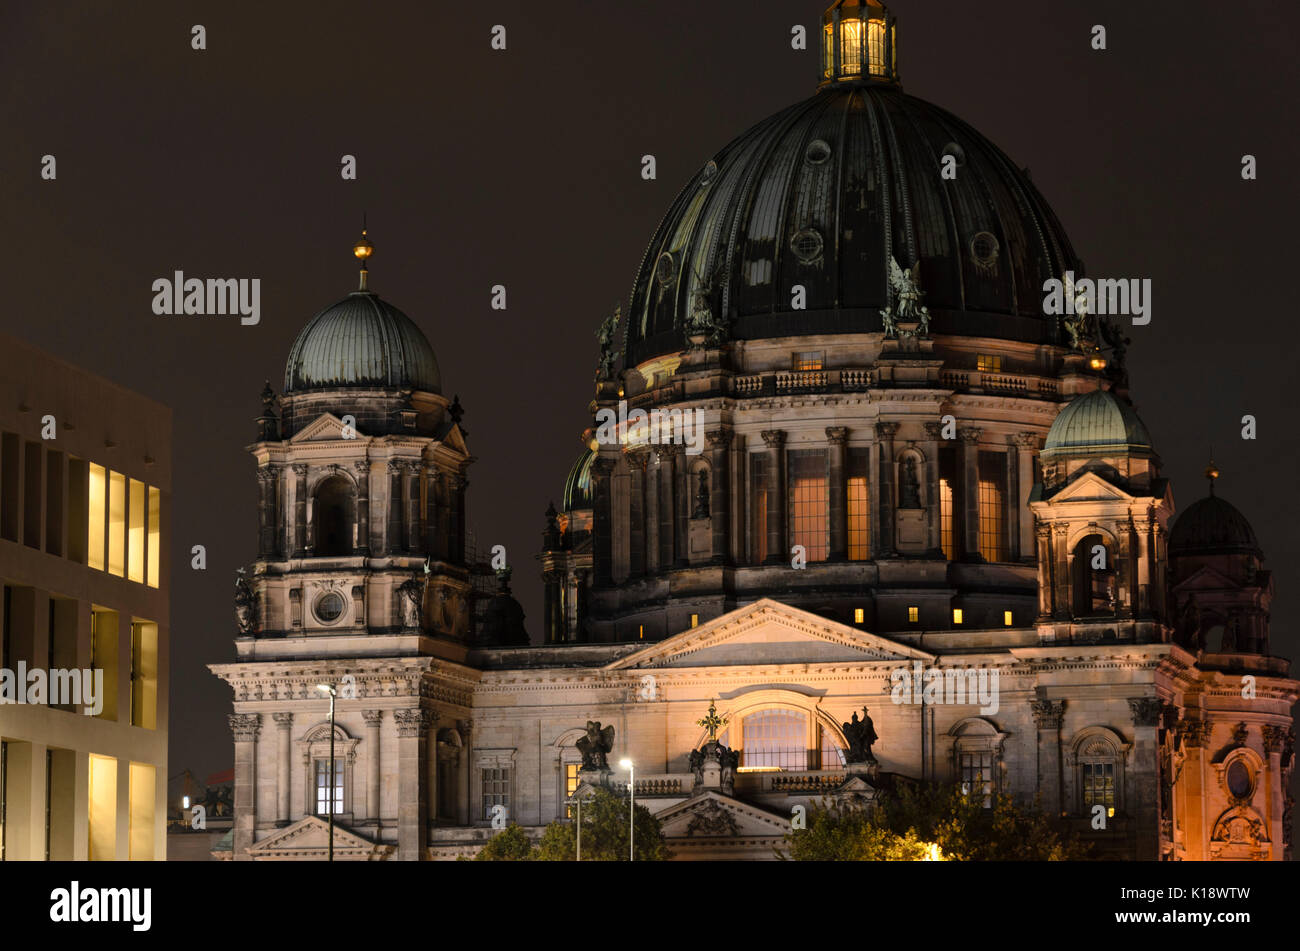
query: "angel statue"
703, 328
905, 293
1075, 323
596, 745
605, 335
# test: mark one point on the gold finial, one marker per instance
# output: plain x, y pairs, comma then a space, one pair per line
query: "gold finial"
1098, 362
1211, 473
712, 722
362, 251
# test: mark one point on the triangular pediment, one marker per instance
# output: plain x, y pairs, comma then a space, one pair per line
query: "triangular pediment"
308, 840
454, 439
1205, 578
712, 815
1090, 487
768, 632
326, 428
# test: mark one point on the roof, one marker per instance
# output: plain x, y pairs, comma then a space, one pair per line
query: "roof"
577, 485
361, 341
1213, 526
1097, 421
823, 194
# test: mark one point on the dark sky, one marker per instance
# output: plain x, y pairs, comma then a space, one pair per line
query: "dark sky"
522, 168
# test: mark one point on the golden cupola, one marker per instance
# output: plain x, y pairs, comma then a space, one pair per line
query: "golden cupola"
859, 43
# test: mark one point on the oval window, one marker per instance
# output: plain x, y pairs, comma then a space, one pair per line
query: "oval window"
806, 245
818, 151
329, 607
665, 269
1239, 779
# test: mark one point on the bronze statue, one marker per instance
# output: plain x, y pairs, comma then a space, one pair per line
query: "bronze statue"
909, 493
245, 604
605, 335
905, 300
860, 734
596, 745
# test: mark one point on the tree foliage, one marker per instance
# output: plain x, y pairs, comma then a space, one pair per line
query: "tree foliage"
604, 836
511, 844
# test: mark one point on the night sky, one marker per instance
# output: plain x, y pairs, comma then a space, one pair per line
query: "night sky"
522, 167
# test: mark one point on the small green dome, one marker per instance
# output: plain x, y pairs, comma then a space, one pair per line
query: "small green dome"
577, 487
361, 341
1097, 421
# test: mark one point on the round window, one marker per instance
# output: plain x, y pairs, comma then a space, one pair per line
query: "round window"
665, 269
1239, 779
806, 245
818, 151
984, 248
710, 171
329, 606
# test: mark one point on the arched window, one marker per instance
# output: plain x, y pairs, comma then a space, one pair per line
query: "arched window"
1097, 776
775, 737
1094, 577
333, 517
831, 752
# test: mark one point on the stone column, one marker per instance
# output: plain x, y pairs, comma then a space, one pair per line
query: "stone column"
837, 438
245, 727
363, 507
283, 776
374, 720
1026, 447
970, 492
933, 504
1047, 717
682, 507
299, 510
777, 553
885, 433
431, 520
1046, 573
1197, 817
667, 505
393, 530
652, 499
720, 493
466, 730
636, 562
265, 512
602, 521
411, 508
1145, 808
412, 827
1276, 740
1064, 602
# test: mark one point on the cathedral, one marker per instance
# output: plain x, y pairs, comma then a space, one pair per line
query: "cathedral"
853, 508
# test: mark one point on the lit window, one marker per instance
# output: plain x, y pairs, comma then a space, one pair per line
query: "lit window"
324, 806
155, 535
913, 614
144, 674
808, 360
956, 615
832, 754
116, 524
859, 615
988, 364
496, 789
808, 496
695, 620
135, 545
640, 632
775, 738
859, 510
992, 495
97, 514
1006, 618
945, 518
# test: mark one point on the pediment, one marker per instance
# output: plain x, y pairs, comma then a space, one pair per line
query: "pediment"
711, 815
325, 428
454, 439
1090, 487
308, 840
768, 632
1205, 578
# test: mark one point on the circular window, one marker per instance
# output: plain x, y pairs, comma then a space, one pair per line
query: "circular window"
984, 249
818, 151
665, 269
806, 245
710, 171
329, 606
1239, 779
956, 151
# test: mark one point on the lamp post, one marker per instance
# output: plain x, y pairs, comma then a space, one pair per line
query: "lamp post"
631, 807
329, 689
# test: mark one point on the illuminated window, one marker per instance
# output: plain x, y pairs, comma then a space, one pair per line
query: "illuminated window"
103, 655
950, 505
992, 495
832, 754
859, 615
144, 674
956, 615
96, 516
808, 360
859, 502
155, 535
1094, 578
1099, 786
142, 801
775, 738
695, 620
808, 510
854, 53
324, 806
988, 363
496, 789
913, 614
135, 541
1006, 618
101, 826
640, 632
945, 519
116, 524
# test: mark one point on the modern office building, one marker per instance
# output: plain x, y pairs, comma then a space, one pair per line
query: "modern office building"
85, 491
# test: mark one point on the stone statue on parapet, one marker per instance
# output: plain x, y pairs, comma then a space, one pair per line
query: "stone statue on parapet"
245, 604
860, 734
596, 746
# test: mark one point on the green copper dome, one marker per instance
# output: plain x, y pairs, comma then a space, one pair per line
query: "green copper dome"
1097, 421
577, 487
361, 341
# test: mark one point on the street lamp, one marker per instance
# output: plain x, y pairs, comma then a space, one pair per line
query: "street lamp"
329, 689
631, 807
576, 801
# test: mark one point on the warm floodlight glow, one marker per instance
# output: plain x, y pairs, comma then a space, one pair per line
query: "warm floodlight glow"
326, 688
625, 763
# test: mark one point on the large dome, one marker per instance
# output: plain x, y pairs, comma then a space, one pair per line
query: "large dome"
361, 341
822, 194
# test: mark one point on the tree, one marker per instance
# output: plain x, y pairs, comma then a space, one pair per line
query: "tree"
848, 834
604, 834
511, 844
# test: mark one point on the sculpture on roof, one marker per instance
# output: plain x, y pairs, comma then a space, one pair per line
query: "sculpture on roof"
905, 301
605, 335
